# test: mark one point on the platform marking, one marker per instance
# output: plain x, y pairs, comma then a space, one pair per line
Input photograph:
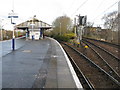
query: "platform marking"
54, 56
27, 51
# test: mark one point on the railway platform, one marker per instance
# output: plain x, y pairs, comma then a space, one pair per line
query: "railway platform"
38, 64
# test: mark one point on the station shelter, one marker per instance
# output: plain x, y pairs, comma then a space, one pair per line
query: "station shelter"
34, 28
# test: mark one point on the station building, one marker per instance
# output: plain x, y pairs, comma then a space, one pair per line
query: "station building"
34, 28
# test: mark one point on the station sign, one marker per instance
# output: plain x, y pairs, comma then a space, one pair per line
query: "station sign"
12, 15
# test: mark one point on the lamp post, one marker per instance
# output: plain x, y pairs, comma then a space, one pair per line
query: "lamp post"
1, 33
1, 30
13, 15
13, 38
32, 29
60, 28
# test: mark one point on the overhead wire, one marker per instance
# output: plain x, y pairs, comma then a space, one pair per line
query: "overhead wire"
71, 5
80, 7
100, 5
106, 10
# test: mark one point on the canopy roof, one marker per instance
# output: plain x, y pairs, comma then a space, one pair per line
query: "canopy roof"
37, 24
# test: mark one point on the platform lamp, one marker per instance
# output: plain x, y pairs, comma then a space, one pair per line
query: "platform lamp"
1, 26
32, 29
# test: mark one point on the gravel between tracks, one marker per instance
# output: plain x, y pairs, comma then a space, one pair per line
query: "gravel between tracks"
98, 79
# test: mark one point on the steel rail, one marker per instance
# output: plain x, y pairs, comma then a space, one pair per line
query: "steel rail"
113, 44
103, 50
104, 60
86, 58
80, 74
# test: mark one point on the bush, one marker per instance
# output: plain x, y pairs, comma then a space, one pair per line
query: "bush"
61, 38
65, 37
70, 35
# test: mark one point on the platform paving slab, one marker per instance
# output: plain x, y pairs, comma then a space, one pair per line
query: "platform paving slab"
39, 64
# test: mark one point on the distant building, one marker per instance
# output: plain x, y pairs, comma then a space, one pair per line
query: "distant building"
91, 31
34, 28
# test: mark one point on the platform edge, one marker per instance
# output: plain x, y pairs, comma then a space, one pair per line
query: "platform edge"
76, 80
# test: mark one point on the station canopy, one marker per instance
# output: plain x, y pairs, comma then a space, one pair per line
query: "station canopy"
33, 23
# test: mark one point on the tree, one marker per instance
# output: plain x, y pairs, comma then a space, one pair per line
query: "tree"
111, 25
90, 24
88, 29
111, 20
62, 25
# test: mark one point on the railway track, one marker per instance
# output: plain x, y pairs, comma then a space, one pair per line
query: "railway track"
94, 73
83, 79
111, 59
112, 48
99, 60
108, 43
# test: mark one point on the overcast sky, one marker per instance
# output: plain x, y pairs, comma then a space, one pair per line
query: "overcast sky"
48, 10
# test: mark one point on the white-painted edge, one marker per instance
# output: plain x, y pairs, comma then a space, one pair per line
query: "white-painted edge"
1, 67
76, 80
